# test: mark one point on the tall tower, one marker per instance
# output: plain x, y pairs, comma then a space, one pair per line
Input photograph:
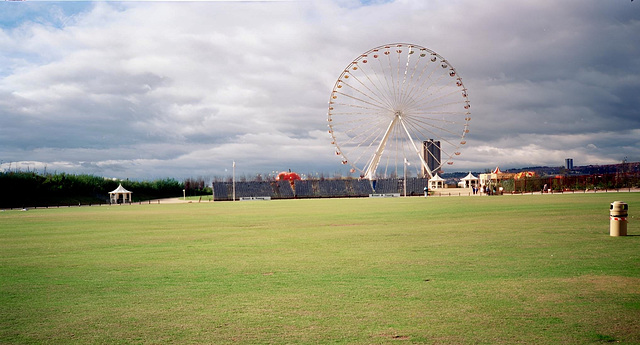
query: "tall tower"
568, 163
431, 152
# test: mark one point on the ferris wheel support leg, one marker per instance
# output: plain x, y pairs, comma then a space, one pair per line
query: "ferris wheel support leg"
375, 160
422, 161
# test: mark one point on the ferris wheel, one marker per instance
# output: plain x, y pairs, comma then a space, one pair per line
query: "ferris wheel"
398, 106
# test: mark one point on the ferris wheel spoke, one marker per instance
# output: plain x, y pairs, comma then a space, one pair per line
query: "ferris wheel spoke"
398, 155
408, 85
429, 90
370, 110
356, 115
404, 75
399, 80
384, 141
373, 96
441, 95
434, 132
389, 83
391, 75
375, 85
391, 157
360, 132
426, 67
365, 152
370, 100
351, 126
436, 121
411, 133
438, 115
449, 114
398, 72
351, 112
451, 106
376, 106
421, 55
420, 82
449, 103
431, 129
433, 68
455, 104
366, 138
413, 83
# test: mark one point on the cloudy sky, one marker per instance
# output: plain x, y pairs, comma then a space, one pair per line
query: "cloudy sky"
157, 89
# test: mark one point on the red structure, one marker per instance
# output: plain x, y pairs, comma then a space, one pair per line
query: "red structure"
288, 176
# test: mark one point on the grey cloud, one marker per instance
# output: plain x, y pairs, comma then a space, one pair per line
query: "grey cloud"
182, 89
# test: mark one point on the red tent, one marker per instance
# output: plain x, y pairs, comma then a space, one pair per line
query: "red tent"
288, 176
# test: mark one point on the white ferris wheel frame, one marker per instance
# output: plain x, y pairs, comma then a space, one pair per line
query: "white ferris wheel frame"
367, 99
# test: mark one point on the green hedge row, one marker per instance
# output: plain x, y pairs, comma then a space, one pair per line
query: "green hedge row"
25, 189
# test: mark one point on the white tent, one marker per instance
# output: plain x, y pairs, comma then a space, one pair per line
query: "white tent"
469, 181
120, 195
436, 182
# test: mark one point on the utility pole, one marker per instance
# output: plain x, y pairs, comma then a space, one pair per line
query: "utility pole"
234, 180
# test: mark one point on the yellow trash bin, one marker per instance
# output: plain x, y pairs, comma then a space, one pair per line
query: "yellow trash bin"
618, 213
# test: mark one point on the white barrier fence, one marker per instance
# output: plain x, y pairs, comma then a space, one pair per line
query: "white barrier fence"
385, 195
250, 198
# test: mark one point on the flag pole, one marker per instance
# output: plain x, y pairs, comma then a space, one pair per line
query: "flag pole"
405, 178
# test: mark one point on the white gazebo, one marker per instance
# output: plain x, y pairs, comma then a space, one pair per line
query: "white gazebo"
120, 195
436, 182
470, 181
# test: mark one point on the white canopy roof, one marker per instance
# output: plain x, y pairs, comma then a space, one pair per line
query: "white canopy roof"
436, 178
469, 177
119, 190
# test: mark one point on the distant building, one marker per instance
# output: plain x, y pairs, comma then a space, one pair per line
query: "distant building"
495, 177
431, 152
568, 163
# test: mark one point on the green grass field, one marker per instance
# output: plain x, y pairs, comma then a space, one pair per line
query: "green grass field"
453, 270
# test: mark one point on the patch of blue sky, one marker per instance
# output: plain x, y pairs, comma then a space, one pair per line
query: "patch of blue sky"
16, 18
14, 14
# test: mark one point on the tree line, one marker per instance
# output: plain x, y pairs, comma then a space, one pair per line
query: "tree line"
574, 182
26, 189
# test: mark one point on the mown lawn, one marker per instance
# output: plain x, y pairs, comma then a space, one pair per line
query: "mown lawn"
457, 270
